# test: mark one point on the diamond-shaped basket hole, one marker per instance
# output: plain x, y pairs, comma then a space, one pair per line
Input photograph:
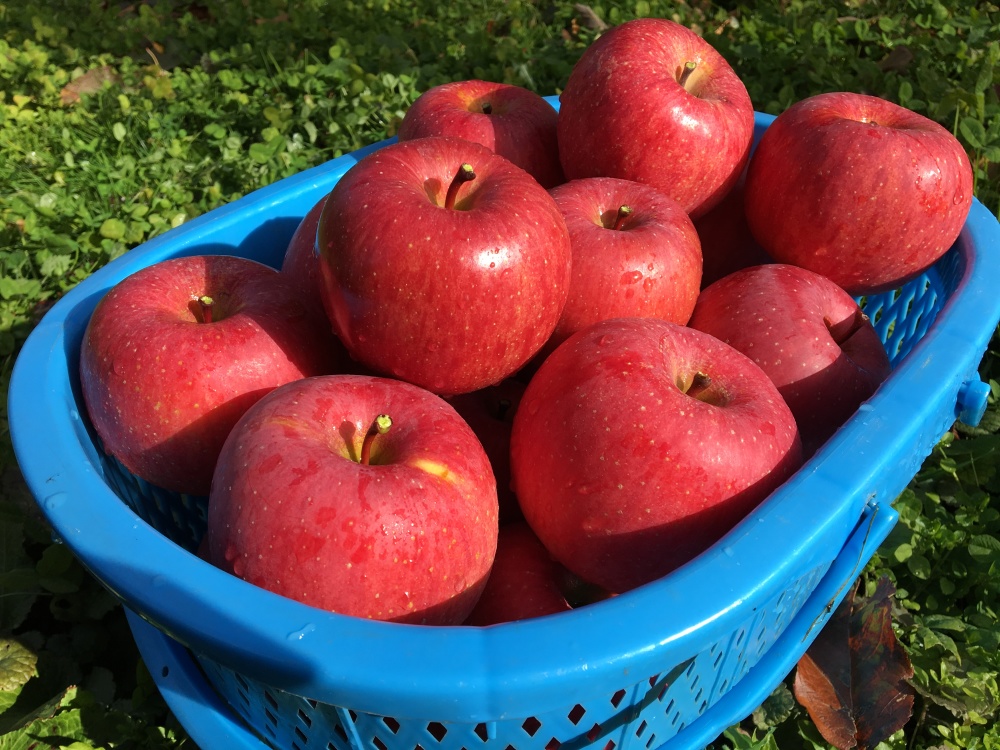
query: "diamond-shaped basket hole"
391, 724
379, 744
594, 733
576, 714
482, 732
531, 725
437, 730
552, 744
618, 697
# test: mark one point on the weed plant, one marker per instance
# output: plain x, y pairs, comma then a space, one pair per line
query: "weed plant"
121, 120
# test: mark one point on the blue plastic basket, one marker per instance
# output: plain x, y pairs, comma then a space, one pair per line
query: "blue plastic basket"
670, 664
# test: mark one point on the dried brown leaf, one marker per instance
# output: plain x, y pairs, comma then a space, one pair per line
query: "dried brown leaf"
853, 680
897, 61
589, 17
90, 82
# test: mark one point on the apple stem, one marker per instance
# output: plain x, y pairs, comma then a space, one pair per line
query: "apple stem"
465, 174
205, 304
379, 426
686, 72
699, 384
623, 213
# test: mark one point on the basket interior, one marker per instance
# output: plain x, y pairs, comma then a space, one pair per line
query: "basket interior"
644, 711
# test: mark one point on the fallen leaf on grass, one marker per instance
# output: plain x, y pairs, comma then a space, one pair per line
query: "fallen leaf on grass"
590, 18
853, 679
89, 83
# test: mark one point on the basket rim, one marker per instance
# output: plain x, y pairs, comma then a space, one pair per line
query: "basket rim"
513, 669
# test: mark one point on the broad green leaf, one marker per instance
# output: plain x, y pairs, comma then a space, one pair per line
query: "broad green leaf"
17, 664
973, 131
113, 229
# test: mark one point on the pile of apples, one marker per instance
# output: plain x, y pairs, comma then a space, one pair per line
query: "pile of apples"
569, 351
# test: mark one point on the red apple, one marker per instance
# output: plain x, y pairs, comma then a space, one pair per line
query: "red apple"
523, 583
447, 277
490, 413
652, 101
727, 244
635, 254
806, 333
312, 500
176, 352
300, 261
858, 189
510, 120
639, 443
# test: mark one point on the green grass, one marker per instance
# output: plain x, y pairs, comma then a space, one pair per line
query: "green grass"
207, 101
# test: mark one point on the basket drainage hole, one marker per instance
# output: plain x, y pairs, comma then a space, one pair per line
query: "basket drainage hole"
531, 725
482, 732
379, 744
437, 730
617, 698
594, 733
576, 714
391, 724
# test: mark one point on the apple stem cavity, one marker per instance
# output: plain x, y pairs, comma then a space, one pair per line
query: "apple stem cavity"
842, 332
699, 384
487, 108
465, 174
686, 71
623, 213
205, 304
379, 426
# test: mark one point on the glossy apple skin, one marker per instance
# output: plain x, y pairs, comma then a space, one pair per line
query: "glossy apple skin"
858, 189
520, 125
523, 583
622, 474
163, 389
490, 413
649, 267
453, 299
806, 333
300, 261
625, 114
410, 537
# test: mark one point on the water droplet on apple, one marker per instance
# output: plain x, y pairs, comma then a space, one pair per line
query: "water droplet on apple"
604, 340
460, 586
958, 198
630, 277
647, 284
432, 347
493, 265
649, 267
532, 407
584, 489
